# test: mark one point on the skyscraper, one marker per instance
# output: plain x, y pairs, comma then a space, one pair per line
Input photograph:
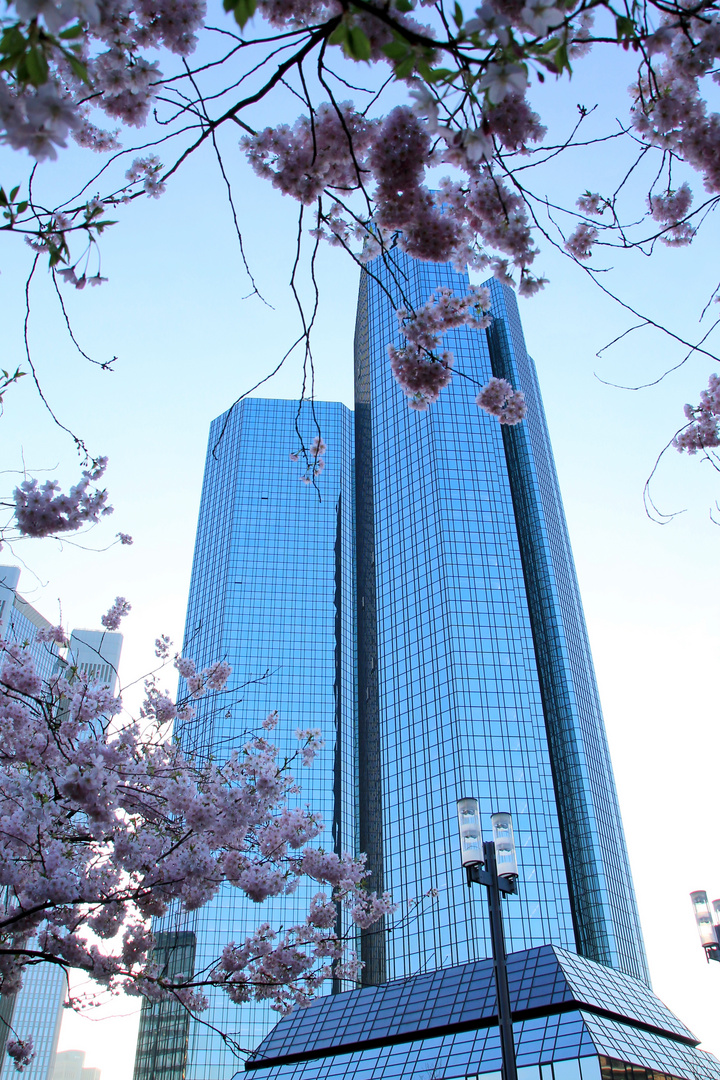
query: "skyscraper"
474, 668
272, 593
424, 612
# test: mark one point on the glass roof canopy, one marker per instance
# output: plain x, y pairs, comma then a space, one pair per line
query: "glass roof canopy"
573, 1020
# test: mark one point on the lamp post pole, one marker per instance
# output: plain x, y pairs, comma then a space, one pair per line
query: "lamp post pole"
497, 884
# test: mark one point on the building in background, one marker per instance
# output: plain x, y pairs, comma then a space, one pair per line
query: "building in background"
37, 1008
20, 622
161, 1052
70, 1065
271, 592
96, 654
421, 608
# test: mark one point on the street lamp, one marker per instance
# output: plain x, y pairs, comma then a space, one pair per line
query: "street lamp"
499, 876
708, 923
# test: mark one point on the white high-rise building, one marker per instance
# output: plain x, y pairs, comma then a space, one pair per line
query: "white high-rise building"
70, 1065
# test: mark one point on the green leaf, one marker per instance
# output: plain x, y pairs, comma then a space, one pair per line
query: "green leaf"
403, 5
396, 50
358, 44
458, 15
339, 35
241, 9
78, 67
22, 207
625, 27
561, 59
546, 46
244, 10
405, 68
13, 42
14, 192
37, 66
440, 75
3, 197
71, 32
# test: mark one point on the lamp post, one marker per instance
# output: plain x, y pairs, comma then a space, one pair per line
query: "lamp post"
498, 876
707, 918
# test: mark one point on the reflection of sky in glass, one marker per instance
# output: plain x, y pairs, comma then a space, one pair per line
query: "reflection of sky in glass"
573, 1020
460, 706
460, 697
479, 675
605, 911
271, 592
38, 1012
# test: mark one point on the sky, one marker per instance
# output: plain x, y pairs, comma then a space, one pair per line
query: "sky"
188, 343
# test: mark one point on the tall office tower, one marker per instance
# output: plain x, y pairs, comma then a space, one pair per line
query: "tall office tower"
474, 669
271, 593
37, 1008
454, 662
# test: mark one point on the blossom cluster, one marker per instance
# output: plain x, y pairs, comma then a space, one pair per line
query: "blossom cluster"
106, 823
671, 210
703, 429
43, 510
39, 113
339, 150
499, 399
668, 109
324, 152
111, 619
313, 458
580, 243
418, 367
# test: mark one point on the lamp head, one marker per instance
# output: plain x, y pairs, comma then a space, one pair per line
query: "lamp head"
703, 918
471, 848
504, 838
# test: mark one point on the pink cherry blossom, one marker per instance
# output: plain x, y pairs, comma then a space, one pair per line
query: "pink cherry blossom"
703, 429
499, 399
111, 619
106, 823
580, 243
419, 368
45, 511
52, 634
21, 1051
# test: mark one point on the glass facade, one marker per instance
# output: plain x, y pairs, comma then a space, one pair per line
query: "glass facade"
605, 917
271, 593
162, 1043
483, 682
38, 1012
573, 1020
422, 609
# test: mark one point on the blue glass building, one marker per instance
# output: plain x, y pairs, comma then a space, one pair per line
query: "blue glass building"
573, 1019
272, 593
424, 612
474, 668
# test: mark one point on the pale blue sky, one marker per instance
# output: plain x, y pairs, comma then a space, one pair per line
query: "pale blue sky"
188, 344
